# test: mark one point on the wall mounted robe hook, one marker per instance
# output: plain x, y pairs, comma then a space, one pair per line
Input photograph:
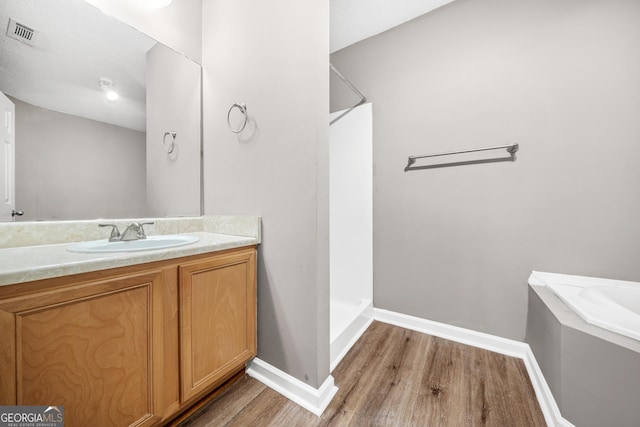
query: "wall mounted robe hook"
243, 110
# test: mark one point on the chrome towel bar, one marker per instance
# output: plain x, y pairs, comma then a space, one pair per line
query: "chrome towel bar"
511, 149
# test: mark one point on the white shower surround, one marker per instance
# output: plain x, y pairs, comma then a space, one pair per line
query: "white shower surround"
351, 228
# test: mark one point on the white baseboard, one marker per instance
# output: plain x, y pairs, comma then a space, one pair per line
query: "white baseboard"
543, 393
488, 342
453, 333
313, 400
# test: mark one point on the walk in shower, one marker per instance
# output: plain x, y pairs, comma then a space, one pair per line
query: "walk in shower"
351, 230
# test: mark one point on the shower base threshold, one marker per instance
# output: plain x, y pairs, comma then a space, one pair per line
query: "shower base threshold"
349, 320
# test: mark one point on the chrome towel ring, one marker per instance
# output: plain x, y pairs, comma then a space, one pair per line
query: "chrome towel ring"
243, 110
169, 147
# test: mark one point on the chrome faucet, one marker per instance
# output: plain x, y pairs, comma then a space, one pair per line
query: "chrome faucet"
134, 231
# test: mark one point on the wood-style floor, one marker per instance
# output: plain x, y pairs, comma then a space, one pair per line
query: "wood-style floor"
396, 377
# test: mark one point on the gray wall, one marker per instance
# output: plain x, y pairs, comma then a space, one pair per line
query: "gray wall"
255, 52
68, 167
560, 77
173, 105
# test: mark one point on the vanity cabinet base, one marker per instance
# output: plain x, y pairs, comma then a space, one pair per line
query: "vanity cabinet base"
131, 346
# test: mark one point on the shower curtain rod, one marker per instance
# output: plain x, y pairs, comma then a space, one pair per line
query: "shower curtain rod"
363, 98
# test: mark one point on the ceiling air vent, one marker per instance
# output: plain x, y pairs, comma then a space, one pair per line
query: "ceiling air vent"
21, 32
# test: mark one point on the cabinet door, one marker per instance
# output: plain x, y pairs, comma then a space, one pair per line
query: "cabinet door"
217, 319
92, 348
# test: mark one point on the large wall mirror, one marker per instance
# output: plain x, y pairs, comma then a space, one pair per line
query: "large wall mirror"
79, 151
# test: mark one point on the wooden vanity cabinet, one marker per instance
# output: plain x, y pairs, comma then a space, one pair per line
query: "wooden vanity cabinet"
93, 347
131, 346
217, 320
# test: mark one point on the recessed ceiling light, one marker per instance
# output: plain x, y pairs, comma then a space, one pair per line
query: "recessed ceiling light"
107, 87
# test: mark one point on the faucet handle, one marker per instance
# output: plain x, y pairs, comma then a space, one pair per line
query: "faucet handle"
115, 233
141, 233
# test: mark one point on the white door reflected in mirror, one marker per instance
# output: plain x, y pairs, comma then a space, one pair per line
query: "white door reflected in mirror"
7, 159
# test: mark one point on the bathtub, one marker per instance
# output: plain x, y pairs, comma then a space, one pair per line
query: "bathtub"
610, 304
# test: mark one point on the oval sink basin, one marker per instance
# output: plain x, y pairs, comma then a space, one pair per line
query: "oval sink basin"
150, 243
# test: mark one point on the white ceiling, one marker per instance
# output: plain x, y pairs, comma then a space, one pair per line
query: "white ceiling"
81, 44
74, 47
356, 20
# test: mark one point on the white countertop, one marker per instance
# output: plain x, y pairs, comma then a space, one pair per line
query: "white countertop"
25, 264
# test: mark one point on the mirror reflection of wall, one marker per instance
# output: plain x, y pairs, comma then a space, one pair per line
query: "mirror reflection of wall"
79, 155
173, 104
69, 167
